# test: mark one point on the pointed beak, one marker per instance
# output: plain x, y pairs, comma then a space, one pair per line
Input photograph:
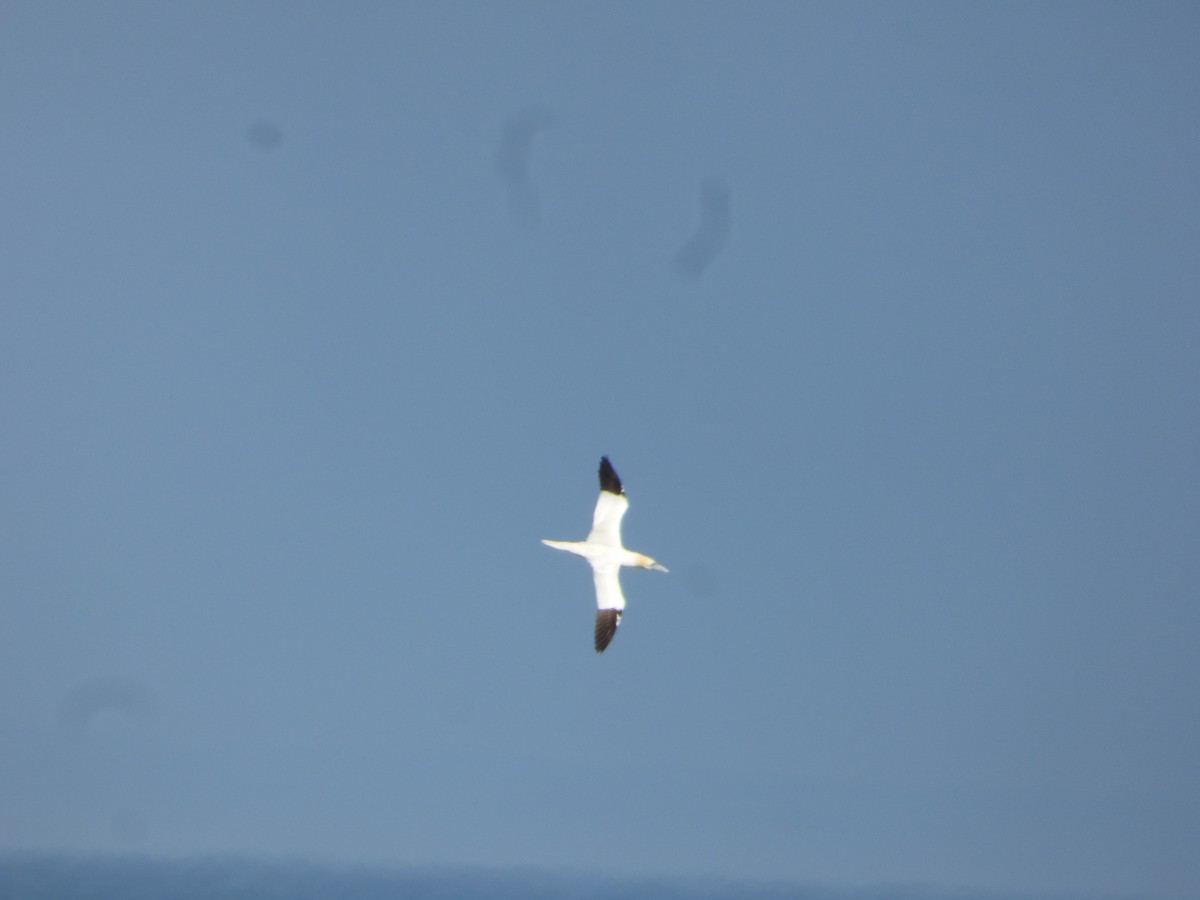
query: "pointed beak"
660, 567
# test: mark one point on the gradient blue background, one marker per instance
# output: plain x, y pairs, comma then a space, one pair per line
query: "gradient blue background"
291, 388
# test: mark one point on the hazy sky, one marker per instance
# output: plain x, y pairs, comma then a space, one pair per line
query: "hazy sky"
315, 318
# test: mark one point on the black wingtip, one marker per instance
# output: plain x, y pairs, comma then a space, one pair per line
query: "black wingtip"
607, 621
608, 477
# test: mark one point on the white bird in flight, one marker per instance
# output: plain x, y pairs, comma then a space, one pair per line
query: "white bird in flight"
604, 551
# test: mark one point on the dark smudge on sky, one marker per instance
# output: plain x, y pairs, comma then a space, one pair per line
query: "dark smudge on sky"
710, 236
264, 135
111, 694
513, 153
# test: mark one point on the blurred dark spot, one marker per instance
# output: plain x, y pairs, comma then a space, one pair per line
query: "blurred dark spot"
264, 135
701, 581
513, 152
129, 825
125, 697
710, 236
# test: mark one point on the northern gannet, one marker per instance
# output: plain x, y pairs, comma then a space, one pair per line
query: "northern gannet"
604, 551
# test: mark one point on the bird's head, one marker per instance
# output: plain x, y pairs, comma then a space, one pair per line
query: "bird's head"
647, 563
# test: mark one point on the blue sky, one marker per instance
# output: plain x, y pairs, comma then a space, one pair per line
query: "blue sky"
293, 387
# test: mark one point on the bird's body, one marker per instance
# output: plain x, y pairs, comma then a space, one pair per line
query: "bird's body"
604, 551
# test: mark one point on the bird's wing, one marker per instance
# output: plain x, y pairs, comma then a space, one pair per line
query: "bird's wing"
607, 621
609, 480
610, 601
608, 586
606, 521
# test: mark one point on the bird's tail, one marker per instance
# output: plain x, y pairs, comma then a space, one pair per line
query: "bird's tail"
570, 546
